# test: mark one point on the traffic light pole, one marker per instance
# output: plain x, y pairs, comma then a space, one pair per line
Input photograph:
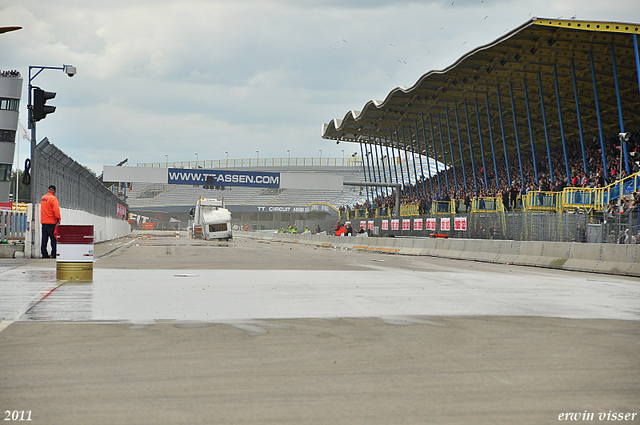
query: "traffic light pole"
33, 174
70, 71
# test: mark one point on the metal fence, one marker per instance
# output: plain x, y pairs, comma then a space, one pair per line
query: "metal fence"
620, 228
13, 225
518, 226
76, 187
528, 226
348, 161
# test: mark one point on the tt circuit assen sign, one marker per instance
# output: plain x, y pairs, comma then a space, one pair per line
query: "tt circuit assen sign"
224, 178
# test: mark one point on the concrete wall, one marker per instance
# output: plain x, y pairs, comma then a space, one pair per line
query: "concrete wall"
600, 258
104, 228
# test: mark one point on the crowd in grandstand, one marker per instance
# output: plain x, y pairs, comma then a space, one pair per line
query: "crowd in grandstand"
584, 173
12, 73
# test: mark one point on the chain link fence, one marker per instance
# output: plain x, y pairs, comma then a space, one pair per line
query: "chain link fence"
76, 187
528, 226
620, 228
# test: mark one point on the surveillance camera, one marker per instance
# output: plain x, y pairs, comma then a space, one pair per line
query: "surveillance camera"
70, 70
625, 137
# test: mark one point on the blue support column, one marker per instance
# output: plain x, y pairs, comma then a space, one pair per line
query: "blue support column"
504, 140
453, 162
424, 192
404, 143
426, 153
635, 48
533, 149
393, 155
384, 166
378, 156
515, 129
374, 148
384, 172
404, 190
464, 173
546, 130
484, 167
615, 79
373, 167
473, 165
444, 156
413, 157
380, 164
364, 169
595, 95
395, 171
435, 154
493, 151
564, 145
575, 92
386, 145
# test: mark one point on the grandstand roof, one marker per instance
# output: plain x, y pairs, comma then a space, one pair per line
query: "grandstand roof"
539, 47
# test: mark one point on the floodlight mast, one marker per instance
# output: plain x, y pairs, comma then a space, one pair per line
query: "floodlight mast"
624, 138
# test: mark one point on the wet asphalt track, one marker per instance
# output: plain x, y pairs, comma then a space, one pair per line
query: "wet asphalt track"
416, 339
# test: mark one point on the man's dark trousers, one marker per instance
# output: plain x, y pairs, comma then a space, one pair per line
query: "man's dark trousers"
47, 233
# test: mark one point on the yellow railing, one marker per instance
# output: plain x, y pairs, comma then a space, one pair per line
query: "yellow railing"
443, 207
353, 214
486, 204
541, 201
577, 199
19, 207
409, 210
570, 199
383, 212
625, 186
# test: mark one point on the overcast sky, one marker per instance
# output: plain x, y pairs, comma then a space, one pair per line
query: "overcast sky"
176, 78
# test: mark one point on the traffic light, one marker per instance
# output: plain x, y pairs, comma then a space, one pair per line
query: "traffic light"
40, 110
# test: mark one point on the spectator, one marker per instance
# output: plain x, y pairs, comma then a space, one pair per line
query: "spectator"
349, 229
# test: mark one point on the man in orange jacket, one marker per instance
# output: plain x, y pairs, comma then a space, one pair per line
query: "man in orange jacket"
49, 218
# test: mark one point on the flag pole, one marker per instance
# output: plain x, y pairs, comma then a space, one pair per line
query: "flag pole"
23, 135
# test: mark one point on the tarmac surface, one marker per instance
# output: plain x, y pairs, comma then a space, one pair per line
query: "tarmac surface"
179, 331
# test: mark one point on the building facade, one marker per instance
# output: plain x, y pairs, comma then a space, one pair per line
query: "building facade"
10, 92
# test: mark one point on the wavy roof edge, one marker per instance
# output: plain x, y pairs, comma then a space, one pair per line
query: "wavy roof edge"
356, 115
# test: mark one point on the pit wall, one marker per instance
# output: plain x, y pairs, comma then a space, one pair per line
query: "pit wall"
599, 258
104, 228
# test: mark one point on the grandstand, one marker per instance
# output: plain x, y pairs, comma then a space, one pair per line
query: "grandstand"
546, 100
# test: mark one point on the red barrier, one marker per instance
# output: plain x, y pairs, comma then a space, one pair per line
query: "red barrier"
66, 234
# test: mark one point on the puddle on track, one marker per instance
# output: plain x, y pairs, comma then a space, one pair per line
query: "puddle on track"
219, 296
